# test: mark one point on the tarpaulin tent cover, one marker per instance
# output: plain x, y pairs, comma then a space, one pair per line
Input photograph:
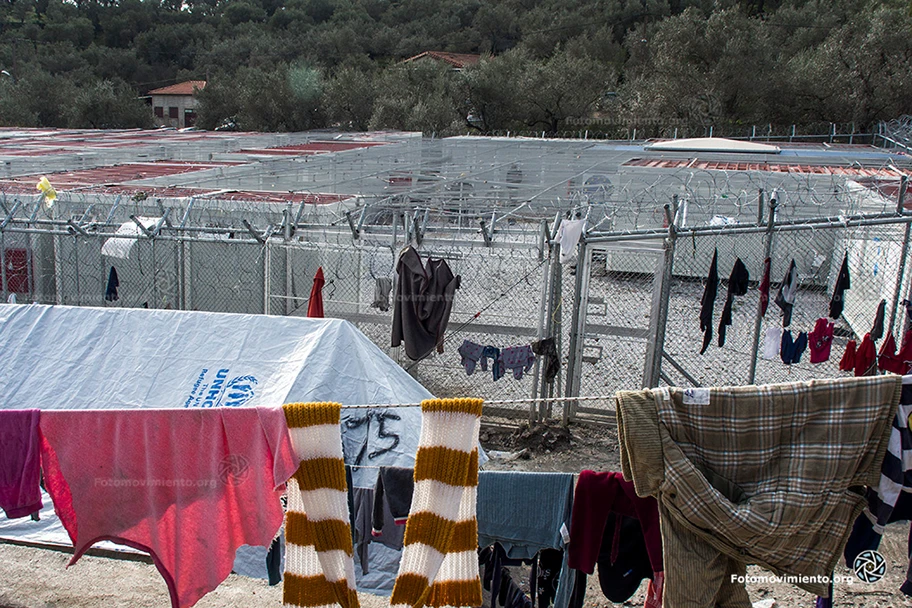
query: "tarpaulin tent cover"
62, 357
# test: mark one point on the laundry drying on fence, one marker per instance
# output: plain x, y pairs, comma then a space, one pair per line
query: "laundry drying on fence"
866, 359
518, 359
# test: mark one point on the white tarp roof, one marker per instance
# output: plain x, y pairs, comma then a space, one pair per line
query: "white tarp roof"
62, 357
713, 144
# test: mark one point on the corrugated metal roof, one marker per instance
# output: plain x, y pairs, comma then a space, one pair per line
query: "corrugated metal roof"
10, 186
316, 147
693, 163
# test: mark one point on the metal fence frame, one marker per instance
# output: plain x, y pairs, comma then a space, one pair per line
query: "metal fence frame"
656, 353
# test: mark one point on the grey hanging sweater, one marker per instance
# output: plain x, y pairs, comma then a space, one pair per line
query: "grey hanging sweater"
424, 299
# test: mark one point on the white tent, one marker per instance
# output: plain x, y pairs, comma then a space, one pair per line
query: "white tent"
95, 358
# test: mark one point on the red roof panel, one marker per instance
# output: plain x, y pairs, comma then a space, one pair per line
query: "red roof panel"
182, 88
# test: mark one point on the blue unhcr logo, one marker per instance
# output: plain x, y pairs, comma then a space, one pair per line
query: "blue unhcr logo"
220, 391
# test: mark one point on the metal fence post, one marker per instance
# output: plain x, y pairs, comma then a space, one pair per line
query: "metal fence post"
543, 307
897, 290
553, 321
286, 245
267, 262
188, 280
3, 278
661, 296
577, 329
78, 300
156, 300
181, 269
758, 320
58, 275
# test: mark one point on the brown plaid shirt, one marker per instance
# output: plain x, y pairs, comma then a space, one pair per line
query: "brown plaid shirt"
769, 475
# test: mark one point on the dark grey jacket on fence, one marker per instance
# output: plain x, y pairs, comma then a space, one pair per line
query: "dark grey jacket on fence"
424, 299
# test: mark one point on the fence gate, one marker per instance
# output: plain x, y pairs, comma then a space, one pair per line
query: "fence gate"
617, 286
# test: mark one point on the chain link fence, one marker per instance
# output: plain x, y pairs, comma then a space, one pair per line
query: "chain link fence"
876, 247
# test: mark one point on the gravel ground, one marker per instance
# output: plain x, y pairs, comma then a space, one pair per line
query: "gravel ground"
37, 578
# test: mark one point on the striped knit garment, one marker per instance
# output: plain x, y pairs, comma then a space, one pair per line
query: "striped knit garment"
439, 564
319, 570
896, 471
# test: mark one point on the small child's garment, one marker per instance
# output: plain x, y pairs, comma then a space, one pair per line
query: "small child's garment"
765, 288
820, 340
470, 353
791, 351
772, 342
843, 282
382, 288
847, 363
886, 358
896, 362
551, 360
395, 486
568, 235
737, 286
866, 357
518, 358
788, 290
877, 331
497, 368
20, 495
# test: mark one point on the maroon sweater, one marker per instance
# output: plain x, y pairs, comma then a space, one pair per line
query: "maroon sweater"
598, 495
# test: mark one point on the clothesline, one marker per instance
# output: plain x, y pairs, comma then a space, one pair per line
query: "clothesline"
493, 402
907, 379
358, 406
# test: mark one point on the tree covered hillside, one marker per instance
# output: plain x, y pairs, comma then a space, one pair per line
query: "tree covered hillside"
547, 65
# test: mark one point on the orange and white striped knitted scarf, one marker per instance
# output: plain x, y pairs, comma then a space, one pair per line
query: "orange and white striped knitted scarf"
439, 564
319, 570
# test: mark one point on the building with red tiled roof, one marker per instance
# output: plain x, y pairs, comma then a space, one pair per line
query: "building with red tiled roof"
457, 60
175, 105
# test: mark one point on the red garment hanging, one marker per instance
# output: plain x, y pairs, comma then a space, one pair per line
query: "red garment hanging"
765, 287
315, 305
896, 362
866, 357
847, 363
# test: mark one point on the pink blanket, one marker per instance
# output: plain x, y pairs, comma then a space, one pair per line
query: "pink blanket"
20, 495
186, 486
